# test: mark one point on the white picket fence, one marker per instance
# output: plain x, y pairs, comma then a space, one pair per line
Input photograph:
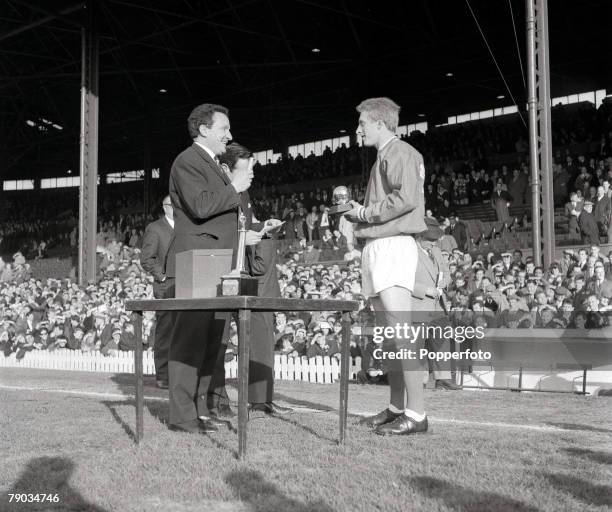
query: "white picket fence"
324, 370
317, 369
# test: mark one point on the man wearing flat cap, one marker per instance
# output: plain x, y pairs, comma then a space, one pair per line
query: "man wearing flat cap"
432, 276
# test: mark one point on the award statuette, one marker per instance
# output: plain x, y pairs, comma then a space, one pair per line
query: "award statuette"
238, 281
340, 198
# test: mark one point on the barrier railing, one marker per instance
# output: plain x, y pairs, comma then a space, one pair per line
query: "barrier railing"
317, 369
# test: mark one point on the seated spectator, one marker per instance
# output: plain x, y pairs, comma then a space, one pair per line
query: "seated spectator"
328, 249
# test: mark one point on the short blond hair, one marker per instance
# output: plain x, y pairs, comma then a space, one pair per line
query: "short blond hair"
381, 109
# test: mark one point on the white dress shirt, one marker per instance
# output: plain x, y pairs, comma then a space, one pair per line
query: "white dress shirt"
210, 153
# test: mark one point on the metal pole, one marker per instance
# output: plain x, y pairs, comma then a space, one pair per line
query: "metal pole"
532, 103
540, 138
544, 127
88, 154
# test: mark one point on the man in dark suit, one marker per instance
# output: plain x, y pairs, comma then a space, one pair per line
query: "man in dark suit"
261, 262
500, 200
572, 211
205, 202
458, 231
155, 244
588, 225
601, 210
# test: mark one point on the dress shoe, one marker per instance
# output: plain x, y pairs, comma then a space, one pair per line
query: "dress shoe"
402, 426
214, 420
381, 418
162, 384
270, 408
202, 427
447, 384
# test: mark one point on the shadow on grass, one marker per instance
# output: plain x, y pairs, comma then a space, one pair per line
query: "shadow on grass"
233, 383
48, 476
586, 492
595, 456
157, 408
577, 426
126, 384
112, 407
304, 403
457, 497
306, 429
250, 487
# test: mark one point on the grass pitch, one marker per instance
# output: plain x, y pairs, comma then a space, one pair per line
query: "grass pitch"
71, 433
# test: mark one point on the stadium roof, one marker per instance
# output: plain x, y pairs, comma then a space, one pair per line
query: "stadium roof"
290, 71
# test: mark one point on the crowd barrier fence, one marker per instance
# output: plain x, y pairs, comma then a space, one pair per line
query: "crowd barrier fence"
317, 369
326, 370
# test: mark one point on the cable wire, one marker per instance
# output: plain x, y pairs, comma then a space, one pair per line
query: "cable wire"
518, 49
501, 74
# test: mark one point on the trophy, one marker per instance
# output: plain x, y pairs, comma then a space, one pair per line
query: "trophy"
238, 281
340, 198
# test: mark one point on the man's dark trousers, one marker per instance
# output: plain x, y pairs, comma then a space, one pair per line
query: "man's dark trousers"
261, 363
163, 329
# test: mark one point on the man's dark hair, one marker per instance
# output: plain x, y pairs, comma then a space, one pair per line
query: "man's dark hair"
203, 115
233, 153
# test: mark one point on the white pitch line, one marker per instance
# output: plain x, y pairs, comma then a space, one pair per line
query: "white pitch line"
537, 428
83, 393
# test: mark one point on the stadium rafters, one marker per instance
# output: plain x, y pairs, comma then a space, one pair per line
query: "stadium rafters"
158, 59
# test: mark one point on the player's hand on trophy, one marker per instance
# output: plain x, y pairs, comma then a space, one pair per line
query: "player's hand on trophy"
252, 237
356, 214
243, 176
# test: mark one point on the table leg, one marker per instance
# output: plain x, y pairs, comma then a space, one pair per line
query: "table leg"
345, 351
138, 371
244, 333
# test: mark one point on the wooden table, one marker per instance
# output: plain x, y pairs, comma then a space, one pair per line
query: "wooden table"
244, 305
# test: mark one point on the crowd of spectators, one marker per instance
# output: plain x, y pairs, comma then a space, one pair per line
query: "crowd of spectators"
493, 290
462, 168
35, 222
492, 287
50, 314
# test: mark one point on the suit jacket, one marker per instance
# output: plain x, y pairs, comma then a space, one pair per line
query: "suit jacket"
502, 196
601, 210
569, 207
601, 290
155, 245
588, 228
205, 205
426, 278
517, 187
262, 263
459, 233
